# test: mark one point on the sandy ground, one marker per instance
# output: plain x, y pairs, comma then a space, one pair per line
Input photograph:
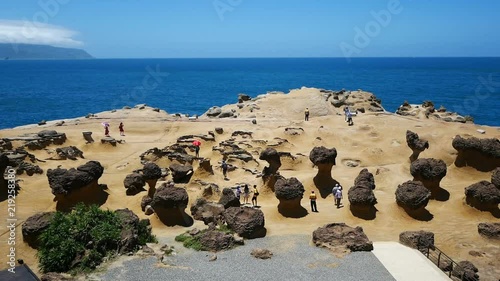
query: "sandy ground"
376, 141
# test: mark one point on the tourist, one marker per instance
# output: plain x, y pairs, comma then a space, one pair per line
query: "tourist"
334, 190
349, 118
255, 194
238, 192
224, 168
306, 114
122, 131
197, 145
346, 110
338, 197
106, 130
246, 194
312, 197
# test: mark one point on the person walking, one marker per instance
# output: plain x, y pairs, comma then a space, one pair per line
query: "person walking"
122, 131
312, 197
306, 114
106, 130
238, 192
349, 118
224, 168
255, 195
338, 197
197, 145
246, 194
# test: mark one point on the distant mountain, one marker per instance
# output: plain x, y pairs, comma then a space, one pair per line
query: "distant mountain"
39, 52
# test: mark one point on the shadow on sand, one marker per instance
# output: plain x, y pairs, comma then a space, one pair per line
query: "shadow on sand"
292, 212
94, 194
324, 184
364, 212
173, 217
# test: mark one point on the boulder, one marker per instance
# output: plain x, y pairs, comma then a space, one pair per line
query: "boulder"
341, 237
5, 144
467, 271
169, 203
69, 152
64, 181
146, 201
134, 183
109, 140
29, 168
495, 177
226, 114
247, 222
482, 154
362, 202
181, 173
415, 144
205, 166
228, 199
151, 173
34, 226
412, 195
273, 158
365, 179
208, 212
219, 130
289, 193
420, 240
129, 235
87, 136
429, 171
324, 159
243, 97
214, 111
262, 254
489, 230
214, 241
483, 196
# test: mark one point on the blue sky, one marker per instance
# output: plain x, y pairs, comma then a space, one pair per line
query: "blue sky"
257, 28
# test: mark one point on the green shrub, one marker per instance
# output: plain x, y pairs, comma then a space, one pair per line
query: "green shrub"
188, 241
145, 235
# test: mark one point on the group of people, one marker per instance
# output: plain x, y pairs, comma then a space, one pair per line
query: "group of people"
347, 113
246, 194
120, 128
337, 195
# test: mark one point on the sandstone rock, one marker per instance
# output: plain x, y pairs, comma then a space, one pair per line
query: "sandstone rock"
228, 199
415, 144
467, 271
483, 196
361, 197
214, 111
70, 152
5, 144
490, 230
412, 195
219, 130
205, 166
145, 201
64, 181
247, 222
482, 154
181, 173
29, 168
129, 241
339, 236
290, 192
420, 240
366, 179
495, 177
324, 159
151, 173
213, 240
243, 97
134, 183
88, 137
169, 203
262, 254
34, 226
148, 210
226, 114
429, 171
273, 158
208, 212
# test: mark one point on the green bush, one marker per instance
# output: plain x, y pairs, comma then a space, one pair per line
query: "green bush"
78, 241
188, 241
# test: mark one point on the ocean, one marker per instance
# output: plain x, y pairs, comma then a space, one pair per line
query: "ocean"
31, 91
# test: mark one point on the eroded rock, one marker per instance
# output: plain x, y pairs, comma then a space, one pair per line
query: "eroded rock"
341, 237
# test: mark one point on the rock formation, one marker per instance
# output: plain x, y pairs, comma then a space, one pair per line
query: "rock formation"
34, 226
151, 173
413, 197
495, 177
420, 240
361, 197
228, 199
290, 192
208, 212
45, 138
134, 183
77, 185
214, 241
467, 271
247, 222
483, 196
415, 144
273, 158
69, 152
169, 203
181, 173
129, 235
262, 254
430, 171
205, 167
342, 238
489, 230
482, 154
324, 159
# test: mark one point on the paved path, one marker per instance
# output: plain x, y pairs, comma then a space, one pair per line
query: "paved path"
406, 264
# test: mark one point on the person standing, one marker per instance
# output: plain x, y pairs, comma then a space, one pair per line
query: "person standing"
246, 194
122, 131
224, 168
349, 118
312, 197
238, 192
306, 114
106, 130
338, 197
197, 150
255, 194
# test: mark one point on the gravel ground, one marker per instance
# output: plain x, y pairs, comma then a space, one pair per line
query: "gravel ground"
294, 259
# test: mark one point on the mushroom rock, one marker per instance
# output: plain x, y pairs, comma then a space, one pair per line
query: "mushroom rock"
181, 173
228, 199
247, 222
290, 192
495, 177
134, 183
413, 197
415, 144
340, 237
273, 158
430, 172
169, 203
324, 159
361, 196
151, 173
77, 185
208, 212
482, 154
483, 196
205, 166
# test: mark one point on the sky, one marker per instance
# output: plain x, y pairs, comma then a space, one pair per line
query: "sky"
257, 28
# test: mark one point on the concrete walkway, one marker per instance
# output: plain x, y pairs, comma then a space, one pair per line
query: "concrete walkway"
406, 264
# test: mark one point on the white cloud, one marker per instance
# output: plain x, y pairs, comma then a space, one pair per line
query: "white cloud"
14, 31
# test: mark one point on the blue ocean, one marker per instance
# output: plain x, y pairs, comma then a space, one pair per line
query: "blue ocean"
31, 91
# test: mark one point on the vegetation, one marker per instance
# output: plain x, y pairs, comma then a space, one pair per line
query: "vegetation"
78, 241
145, 235
193, 241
